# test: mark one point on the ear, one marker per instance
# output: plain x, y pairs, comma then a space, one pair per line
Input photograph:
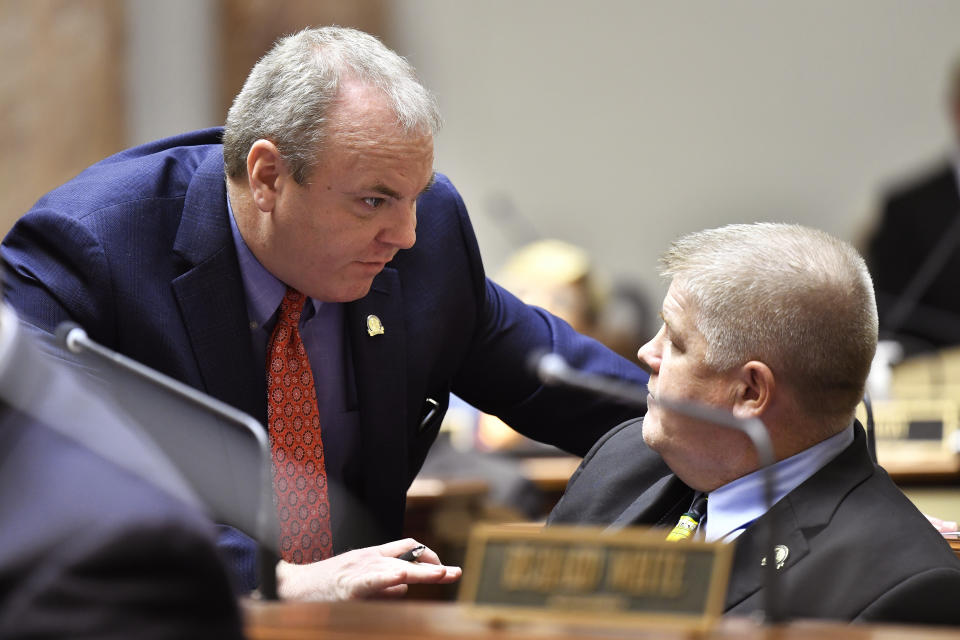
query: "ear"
267, 174
754, 388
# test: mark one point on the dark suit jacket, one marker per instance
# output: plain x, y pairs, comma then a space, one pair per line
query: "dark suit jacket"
858, 548
137, 250
914, 219
98, 539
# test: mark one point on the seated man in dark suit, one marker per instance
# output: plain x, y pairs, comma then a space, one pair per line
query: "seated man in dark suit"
99, 536
778, 323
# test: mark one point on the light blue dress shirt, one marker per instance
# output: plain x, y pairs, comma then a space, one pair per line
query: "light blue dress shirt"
732, 507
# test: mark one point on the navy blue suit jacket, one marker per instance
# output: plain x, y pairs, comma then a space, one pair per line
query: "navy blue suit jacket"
858, 548
137, 250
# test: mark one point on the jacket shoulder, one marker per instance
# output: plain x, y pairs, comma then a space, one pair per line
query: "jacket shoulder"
162, 169
618, 468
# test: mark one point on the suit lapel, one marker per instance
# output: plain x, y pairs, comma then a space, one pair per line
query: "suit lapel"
809, 507
379, 362
210, 295
747, 573
662, 504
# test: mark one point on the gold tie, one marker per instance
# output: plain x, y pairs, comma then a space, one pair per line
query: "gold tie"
690, 520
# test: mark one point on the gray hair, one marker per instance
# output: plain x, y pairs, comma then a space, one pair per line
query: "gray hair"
795, 298
288, 95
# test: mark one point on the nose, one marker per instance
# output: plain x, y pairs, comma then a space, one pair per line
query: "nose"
402, 230
650, 354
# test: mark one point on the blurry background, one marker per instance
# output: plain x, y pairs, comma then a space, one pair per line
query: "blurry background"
613, 124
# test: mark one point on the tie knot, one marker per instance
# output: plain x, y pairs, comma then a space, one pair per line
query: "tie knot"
291, 307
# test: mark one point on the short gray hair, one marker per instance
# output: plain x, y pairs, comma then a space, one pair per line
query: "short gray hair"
288, 95
795, 298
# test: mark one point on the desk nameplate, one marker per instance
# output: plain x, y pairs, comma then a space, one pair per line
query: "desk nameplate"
917, 436
589, 576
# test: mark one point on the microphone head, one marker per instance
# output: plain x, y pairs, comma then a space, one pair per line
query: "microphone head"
65, 335
549, 367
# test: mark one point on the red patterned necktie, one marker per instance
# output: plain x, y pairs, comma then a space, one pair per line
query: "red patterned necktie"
300, 473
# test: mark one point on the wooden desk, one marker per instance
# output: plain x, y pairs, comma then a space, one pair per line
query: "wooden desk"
417, 620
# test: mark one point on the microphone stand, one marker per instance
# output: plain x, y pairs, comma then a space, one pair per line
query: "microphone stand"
552, 369
76, 341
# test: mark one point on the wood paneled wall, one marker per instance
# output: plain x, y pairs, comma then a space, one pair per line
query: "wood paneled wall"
61, 94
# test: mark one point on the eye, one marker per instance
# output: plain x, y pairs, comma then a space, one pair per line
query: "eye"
674, 344
374, 203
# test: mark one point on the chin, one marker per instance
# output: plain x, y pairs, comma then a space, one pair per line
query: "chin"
651, 433
347, 293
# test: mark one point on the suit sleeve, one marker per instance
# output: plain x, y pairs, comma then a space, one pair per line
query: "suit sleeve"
495, 375
925, 598
56, 271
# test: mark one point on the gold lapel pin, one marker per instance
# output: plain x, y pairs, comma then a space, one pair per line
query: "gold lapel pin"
374, 326
780, 554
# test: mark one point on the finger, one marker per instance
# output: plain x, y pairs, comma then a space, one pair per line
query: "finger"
452, 574
372, 583
395, 548
431, 574
429, 556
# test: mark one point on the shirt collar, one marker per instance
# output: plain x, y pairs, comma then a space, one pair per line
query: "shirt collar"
264, 291
736, 504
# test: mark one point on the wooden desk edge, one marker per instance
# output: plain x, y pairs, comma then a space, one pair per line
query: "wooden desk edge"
411, 619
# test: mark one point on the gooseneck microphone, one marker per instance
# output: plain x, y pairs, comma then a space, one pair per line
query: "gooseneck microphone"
553, 370
198, 470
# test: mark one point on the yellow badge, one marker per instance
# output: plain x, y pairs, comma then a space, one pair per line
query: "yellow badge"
374, 326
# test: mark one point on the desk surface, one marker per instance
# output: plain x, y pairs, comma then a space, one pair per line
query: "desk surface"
410, 619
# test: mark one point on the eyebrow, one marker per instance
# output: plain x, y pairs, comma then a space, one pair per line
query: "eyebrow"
385, 190
663, 319
430, 183
390, 193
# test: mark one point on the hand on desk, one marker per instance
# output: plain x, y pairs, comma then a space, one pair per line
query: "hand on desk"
372, 572
943, 526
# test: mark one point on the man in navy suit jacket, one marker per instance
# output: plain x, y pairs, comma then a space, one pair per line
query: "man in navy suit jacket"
777, 323
329, 189
99, 535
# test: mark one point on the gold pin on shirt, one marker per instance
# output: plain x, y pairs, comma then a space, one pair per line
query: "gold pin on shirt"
374, 326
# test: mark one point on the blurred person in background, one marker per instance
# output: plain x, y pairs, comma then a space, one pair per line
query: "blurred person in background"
914, 252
